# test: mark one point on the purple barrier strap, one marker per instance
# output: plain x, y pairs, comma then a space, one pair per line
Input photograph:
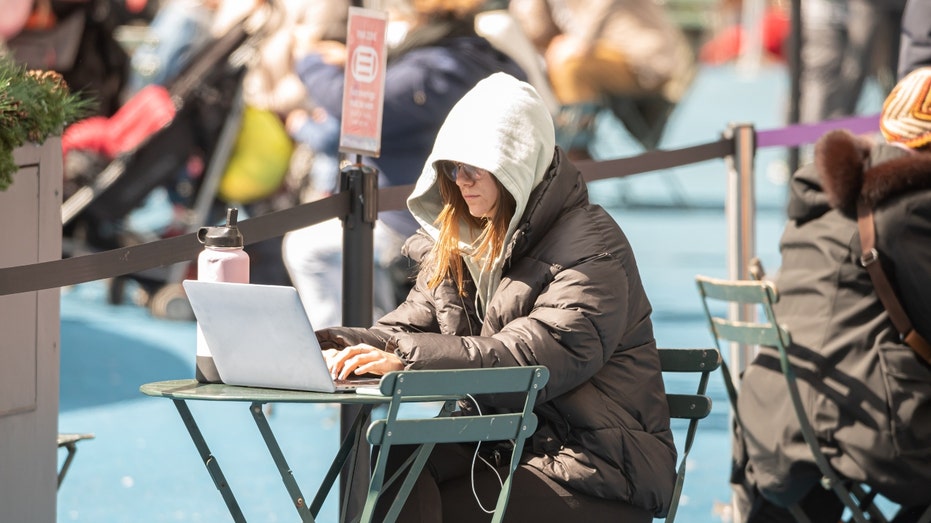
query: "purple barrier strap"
800, 134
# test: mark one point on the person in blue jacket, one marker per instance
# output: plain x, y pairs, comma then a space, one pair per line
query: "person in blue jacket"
437, 60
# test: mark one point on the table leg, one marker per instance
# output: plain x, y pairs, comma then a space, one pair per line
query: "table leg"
354, 483
357, 473
72, 448
213, 467
286, 476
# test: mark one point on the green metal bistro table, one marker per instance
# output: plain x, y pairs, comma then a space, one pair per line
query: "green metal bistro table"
394, 390
181, 391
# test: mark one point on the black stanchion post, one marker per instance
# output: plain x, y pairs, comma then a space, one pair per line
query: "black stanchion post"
358, 274
358, 251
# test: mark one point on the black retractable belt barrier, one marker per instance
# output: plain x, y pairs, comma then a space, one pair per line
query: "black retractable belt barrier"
127, 260
655, 160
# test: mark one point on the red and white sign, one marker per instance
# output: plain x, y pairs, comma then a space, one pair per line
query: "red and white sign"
364, 86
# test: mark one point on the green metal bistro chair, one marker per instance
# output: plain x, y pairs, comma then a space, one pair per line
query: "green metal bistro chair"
768, 332
431, 385
692, 407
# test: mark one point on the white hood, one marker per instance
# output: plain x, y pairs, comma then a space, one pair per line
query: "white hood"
502, 126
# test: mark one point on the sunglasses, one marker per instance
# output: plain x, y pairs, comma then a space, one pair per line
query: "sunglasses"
468, 172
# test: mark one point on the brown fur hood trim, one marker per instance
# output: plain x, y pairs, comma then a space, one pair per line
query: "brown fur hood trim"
852, 167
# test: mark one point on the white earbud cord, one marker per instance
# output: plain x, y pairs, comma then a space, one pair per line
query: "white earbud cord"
472, 472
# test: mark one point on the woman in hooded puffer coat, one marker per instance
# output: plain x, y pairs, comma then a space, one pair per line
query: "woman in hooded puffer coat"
517, 267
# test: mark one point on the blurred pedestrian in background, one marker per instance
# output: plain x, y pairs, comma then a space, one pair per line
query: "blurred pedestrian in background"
915, 43
845, 42
729, 34
599, 52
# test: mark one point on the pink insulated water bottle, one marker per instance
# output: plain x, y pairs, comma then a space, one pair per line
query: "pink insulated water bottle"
223, 259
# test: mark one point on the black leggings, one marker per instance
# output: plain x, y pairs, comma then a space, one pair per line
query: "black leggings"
443, 493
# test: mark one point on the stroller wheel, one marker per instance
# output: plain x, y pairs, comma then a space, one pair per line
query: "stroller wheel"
170, 302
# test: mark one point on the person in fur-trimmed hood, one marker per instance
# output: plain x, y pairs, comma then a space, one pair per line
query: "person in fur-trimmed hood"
518, 268
868, 394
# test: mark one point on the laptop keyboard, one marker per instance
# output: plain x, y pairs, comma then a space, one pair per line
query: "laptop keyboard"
352, 383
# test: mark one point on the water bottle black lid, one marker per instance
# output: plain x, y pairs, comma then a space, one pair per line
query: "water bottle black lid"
224, 236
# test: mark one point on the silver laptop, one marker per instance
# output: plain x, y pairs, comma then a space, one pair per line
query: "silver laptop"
260, 336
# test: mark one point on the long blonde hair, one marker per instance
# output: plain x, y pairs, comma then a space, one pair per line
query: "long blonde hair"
446, 257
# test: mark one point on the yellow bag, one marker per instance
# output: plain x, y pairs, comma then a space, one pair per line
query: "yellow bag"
260, 158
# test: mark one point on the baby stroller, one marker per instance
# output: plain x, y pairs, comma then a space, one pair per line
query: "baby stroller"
186, 157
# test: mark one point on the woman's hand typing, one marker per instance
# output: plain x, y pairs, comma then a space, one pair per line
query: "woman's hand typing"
360, 359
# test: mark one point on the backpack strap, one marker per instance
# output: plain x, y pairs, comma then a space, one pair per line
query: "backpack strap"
870, 260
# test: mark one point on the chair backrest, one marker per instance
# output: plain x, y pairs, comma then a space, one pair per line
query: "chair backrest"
692, 407
766, 331
433, 385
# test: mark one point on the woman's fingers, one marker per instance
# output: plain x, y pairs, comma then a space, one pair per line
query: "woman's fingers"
340, 364
351, 364
380, 364
329, 355
384, 364
362, 359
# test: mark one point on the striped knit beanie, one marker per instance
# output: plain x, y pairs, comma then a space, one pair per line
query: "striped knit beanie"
906, 114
